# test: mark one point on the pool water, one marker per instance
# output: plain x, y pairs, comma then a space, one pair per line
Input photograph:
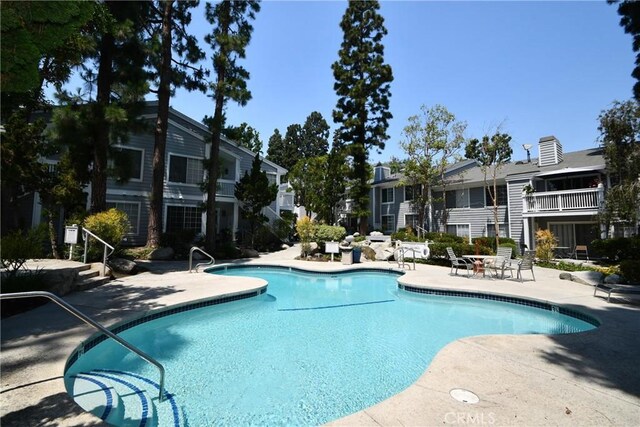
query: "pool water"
314, 348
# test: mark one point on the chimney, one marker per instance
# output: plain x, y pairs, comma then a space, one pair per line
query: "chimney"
380, 173
550, 151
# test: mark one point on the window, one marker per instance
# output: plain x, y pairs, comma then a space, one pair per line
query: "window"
411, 191
501, 192
186, 170
127, 163
387, 195
502, 229
461, 230
271, 177
184, 218
388, 223
133, 213
458, 198
411, 220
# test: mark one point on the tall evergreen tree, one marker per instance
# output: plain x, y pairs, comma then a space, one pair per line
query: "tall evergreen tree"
173, 53
117, 70
255, 193
275, 150
315, 136
629, 10
363, 87
230, 36
244, 135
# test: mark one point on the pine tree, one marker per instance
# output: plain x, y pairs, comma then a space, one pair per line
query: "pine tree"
315, 136
245, 135
169, 71
363, 87
230, 36
275, 150
255, 193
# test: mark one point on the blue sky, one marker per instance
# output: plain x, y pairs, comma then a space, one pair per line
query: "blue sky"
540, 68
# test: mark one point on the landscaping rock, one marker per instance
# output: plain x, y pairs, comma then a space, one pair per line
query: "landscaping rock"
612, 279
123, 266
249, 253
565, 276
161, 254
314, 248
590, 278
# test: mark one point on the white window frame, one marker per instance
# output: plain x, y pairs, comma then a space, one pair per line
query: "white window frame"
137, 225
393, 195
125, 147
460, 223
414, 188
393, 228
411, 214
166, 216
487, 200
200, 159
506, 228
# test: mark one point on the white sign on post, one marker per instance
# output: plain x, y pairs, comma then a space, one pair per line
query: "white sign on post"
331, 248
71, 234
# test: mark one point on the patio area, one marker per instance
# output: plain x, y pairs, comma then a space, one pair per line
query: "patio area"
589, 378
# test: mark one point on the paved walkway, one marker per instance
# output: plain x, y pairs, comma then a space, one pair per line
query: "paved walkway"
590, 378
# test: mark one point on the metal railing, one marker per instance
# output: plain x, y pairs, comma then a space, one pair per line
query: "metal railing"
86, 232
195, 248
399, 256
96, 325
550, 201
421, 231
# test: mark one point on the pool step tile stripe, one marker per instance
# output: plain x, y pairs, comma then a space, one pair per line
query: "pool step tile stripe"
123, 399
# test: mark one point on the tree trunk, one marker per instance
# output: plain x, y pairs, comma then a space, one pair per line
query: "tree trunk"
214, 156
101, 129
160, 134
53, 236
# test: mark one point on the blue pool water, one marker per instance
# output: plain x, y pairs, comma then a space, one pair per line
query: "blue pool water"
314, 348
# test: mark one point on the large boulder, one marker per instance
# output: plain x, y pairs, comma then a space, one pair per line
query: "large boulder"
249, 253
587, 277
161, 254
613, 279
123, 266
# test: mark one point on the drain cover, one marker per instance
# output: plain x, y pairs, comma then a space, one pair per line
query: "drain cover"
464, 396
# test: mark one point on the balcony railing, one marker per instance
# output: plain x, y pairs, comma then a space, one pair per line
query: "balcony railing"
285, 201
226, 188
560, 201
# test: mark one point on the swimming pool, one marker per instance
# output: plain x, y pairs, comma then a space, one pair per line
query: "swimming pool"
314, 348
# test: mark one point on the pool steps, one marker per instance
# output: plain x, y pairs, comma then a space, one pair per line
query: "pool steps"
124, 399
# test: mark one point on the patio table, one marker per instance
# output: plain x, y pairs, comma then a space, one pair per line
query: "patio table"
478, 262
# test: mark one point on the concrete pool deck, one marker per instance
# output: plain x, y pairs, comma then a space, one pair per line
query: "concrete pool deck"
590, 378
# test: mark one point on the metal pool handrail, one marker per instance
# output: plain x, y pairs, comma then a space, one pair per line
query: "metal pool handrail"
401, 252
96, 325
105, 255
195, 248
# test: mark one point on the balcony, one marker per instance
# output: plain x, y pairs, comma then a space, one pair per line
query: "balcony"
587, 200
226, 187
285, 200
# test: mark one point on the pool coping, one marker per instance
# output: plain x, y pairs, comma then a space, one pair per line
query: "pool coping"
567, 396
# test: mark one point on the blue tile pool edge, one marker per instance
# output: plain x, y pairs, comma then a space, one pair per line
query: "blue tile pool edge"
543, 305
337, 270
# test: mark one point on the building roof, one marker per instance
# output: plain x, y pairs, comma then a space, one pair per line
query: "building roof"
573, 162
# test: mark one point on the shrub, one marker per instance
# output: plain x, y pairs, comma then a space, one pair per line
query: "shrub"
305, 228
18, 247
265, 240
618, 248
328, 233
490, 242
546, 243
405, 235
630, 270
439, 249
111, 226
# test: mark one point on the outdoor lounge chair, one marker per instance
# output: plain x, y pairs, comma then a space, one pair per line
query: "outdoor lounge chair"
458, 262
579, 251
500, 262
616, 289
526, 263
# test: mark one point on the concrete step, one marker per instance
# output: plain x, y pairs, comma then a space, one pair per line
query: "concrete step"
83, 284
88, 274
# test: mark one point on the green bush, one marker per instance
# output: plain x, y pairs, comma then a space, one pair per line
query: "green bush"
618, 248
18, 247
405, 235
305, 230
227, 250
546, 243
265, 240
444, 237
490, 242
111, 226
630, 270
328, 233
439, 249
